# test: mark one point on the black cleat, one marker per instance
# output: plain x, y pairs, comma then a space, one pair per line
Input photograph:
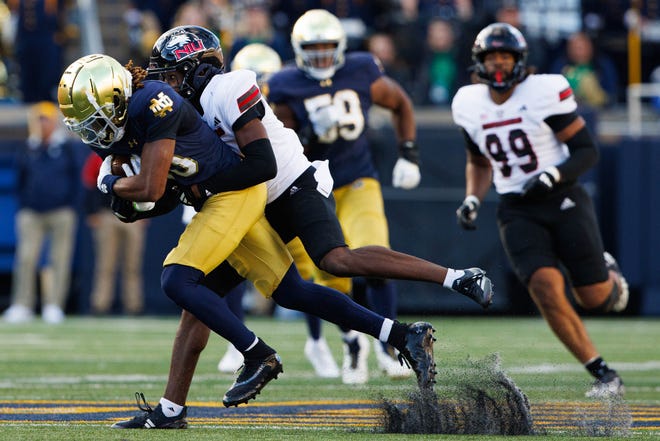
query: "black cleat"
417, 353
475, 285
153, 418
254, 376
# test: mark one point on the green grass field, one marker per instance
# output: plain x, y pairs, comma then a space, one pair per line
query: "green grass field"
54, 373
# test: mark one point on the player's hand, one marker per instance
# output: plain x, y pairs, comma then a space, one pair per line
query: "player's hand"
123, 209
405, 174
324, 119
105, 180
188, 197
467, 213
541, 184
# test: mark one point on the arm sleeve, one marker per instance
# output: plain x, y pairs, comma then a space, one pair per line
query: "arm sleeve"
471, 145
258, 166
583, 150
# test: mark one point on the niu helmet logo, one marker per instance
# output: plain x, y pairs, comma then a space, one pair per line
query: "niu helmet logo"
181, 46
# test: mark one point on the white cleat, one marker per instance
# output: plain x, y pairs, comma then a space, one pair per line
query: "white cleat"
610, 386
624, 292
319, 355
52, 314
17, 314
231, 361
356, 352
389, 362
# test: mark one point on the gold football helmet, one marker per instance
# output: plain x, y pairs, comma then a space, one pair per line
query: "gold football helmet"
93, 95
318, 26
257, 57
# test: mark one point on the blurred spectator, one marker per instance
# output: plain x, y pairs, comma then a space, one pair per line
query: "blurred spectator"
509, 12
408, 30
592, 75
382, 46
255, 26
143, 31
117, 244
40, 36
436, 82
48, 186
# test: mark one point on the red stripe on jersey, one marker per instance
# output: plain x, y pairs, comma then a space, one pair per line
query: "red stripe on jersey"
248, 99
566, 93
502, 123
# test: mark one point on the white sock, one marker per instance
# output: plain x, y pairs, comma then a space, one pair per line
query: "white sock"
385, 330
350, 335
254, 343
451, 276
169, 408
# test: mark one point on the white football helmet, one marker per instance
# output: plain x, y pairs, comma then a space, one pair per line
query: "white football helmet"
313, 27
93, 96
259, 58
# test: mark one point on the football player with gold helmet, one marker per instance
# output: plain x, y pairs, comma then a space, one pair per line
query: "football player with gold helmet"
116, 111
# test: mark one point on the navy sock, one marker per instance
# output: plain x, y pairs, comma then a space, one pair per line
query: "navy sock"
235, 301
182, 285
313, 326
328, 304
381, 296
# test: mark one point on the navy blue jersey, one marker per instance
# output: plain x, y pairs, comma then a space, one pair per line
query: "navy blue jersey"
155, 112
349, 91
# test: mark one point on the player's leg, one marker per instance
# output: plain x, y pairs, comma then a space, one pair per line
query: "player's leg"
377, 261
316, 348
415, 342
598, 283
232, 359
30, 236
531, 250
361, 213
596, 276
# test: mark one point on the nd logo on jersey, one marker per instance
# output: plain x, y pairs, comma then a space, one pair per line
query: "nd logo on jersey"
162, 105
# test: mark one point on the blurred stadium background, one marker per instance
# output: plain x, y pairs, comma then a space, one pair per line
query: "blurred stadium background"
625, 185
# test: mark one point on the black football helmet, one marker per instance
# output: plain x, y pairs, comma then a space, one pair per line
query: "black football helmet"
500, 37
182, 49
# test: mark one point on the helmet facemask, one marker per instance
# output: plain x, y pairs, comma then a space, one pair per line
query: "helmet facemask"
504, 38
183, 49
316, 27
93, 95
98, 129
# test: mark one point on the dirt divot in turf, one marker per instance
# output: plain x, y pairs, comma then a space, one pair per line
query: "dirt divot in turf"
606, 417
476, 399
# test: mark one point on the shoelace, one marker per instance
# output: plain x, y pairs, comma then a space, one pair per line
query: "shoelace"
145, 407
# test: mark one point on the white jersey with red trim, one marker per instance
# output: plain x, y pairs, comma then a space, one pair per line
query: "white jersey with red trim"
513, 135
226, 97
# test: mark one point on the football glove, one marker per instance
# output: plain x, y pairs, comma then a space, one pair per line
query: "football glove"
324, 119
187, 197
106, 180
541, 184
406, 173
123, 209
467, 213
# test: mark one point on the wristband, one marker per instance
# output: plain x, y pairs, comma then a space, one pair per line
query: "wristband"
409, 151
472, 200
107, 184
554, 172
